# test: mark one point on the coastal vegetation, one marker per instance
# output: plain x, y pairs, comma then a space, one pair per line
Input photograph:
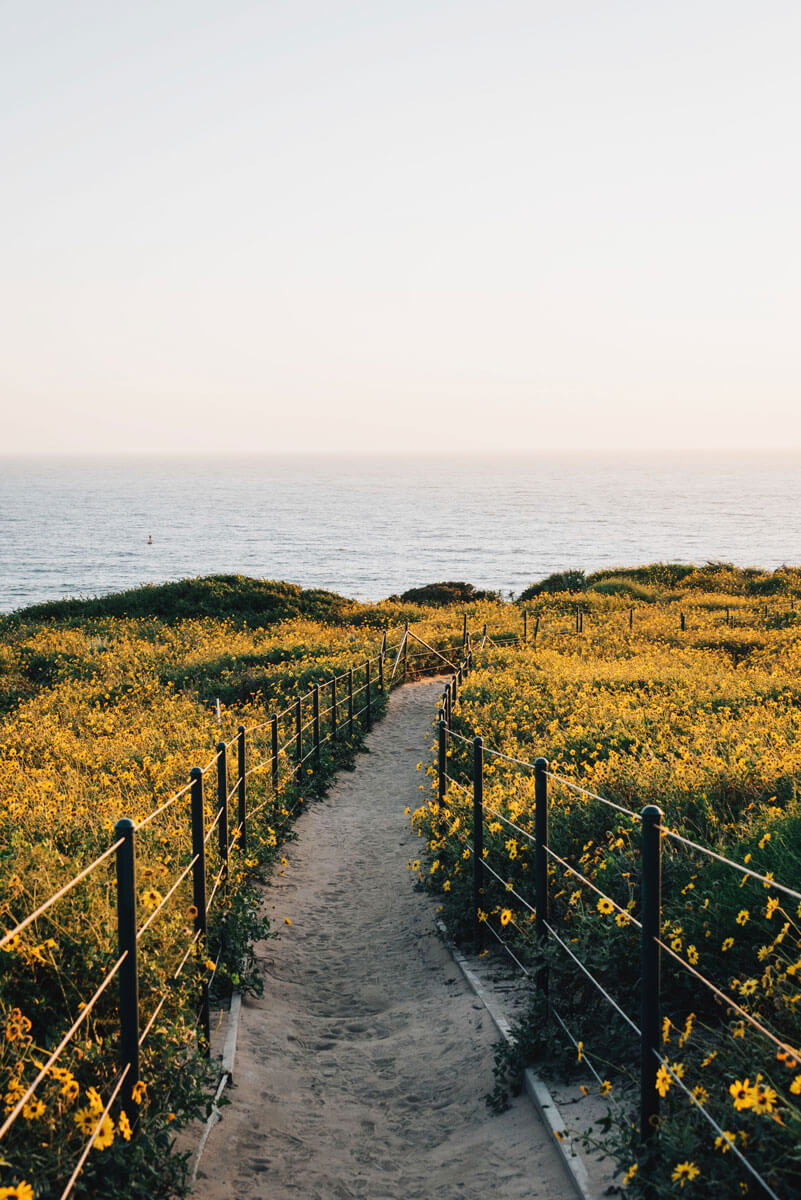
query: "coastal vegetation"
674, 687
665, 684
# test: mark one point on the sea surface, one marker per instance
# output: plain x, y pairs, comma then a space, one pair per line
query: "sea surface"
369, 527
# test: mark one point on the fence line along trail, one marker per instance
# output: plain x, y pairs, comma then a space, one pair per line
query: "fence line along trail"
361, 1072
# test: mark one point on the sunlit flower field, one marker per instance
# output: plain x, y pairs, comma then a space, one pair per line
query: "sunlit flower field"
688, 698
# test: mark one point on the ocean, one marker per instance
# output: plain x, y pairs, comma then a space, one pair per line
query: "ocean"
370, 527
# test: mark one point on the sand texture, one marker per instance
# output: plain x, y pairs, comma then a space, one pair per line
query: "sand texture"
362, 1070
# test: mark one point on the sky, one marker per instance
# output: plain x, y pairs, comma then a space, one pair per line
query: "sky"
410, 226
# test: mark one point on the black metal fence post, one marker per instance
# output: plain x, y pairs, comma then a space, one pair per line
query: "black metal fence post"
454, 692
651, 917
442, 783
222, 806
129, 978
350, 702
240, 788
631, 618
199, 895
536, 629
274, 749
368, 714
316, 724
464, 631
333, 711
298, 741
525, 626
405, 648
478, 839
381, 670
541, 899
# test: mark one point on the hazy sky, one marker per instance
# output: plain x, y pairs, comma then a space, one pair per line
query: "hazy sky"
410, 225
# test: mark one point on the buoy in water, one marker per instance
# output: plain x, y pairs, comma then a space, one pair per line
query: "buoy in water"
149, 540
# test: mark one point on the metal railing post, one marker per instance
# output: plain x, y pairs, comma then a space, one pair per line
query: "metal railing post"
541, 899
274, 749
240, 788
316, 724
333, 710
350, 703
464, 631
651, 917
442, 783
298, 741
525, 626
222, 806
129, 977
368, 714
478, 839
405, 648
381, 671
199, 895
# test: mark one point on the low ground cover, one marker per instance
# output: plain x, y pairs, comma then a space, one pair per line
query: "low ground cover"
692, 703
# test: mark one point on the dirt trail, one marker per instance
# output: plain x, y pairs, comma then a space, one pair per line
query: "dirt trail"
362, 1070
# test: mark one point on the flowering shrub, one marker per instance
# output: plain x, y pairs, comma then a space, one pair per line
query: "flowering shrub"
694, 704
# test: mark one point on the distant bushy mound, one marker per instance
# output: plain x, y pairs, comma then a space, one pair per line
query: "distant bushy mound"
560, 581
650, 582
446, 593
254, 601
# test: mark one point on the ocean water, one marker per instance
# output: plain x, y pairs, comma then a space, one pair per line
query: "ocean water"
368, 527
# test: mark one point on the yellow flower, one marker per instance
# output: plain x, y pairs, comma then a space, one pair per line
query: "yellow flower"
725, 1142
85, 1119
795, 1086
727, 944
287, 921
742, 916
124, 1126
632, 1171
22, 1191
209, 964
580, 1050
663, 1080
105, 1134
139, 1092
684, 1172
151, 898
742, 1094
764, 1099
506, 916
605, 906
95, 1102
692, 956
605, 1088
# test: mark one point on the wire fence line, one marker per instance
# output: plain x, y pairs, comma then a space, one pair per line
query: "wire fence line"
653, 833
340, 724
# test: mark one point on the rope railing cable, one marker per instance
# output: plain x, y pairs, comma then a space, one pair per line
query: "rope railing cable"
579, 1049
158, 811
209, 764
780, 887
721, 1132
189, 950
507, 886
213, 826
507, 948
592, 979
524, 832
574, 787
12, 933
164, 899
730, 1003
623, 911
73, 1029
232, 792
152, 1020
456, 783
217, 882
93, 1135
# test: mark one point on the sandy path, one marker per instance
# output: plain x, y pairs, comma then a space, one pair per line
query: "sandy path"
361, 1071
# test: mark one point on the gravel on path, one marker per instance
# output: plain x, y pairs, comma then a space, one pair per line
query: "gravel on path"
362, 1070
